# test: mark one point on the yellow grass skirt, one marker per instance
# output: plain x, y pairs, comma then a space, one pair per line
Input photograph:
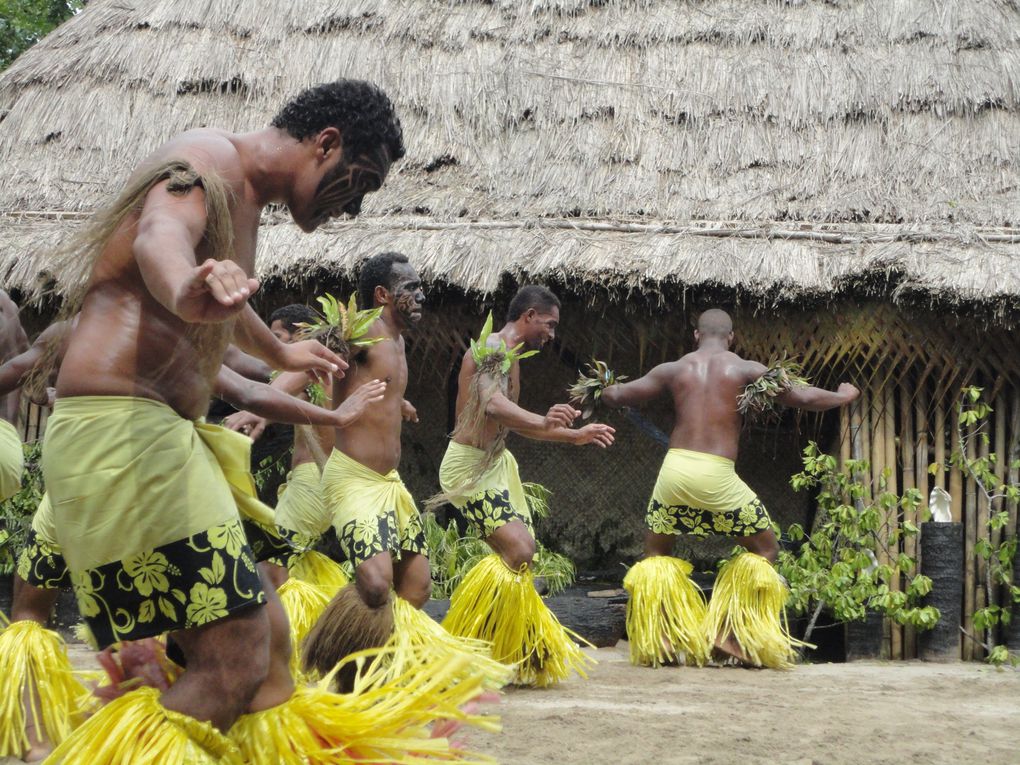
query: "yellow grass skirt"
665, 613
502, 607
33, 657
137, 729
380, 721
315, 568
748, 602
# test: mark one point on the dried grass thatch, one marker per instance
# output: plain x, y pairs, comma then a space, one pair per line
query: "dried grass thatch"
781, 148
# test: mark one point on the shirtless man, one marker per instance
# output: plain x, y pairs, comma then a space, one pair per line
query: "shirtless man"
479, 476
169, 287
28, 652
698, 491
12, 342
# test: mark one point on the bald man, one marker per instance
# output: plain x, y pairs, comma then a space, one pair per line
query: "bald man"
698, 492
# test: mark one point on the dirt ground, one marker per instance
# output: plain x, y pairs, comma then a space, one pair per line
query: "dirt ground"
824, 714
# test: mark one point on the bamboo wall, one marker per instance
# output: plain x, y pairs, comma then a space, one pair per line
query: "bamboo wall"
910, 364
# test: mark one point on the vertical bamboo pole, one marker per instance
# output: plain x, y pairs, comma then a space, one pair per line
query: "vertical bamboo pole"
981, 535
955, 488
939, 479
893, 514
1014, 455
1001, 464
908, 437
878, 449
845, 436
970, 526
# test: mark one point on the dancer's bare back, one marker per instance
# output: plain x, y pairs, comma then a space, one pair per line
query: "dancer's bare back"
13, 341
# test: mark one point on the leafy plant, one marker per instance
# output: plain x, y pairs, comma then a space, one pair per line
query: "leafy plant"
758, 398
16, 513
25, 22
341, 328
488, 359
837, 566
999, 550
587, 391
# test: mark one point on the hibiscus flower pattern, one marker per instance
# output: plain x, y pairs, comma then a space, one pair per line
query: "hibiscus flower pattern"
681, 519
368, 535
489, 510
179, 585
42, 565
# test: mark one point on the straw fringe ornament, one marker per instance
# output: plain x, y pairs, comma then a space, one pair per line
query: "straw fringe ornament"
381, 720
137, 729
748, 603
315, 568
34, 664
501, 606
665, 614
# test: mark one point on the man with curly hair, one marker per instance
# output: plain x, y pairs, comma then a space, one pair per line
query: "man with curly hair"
698, 492
143, 493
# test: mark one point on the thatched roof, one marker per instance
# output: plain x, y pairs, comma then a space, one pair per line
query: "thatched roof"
776, 148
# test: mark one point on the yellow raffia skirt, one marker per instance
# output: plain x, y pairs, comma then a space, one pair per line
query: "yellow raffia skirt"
665, 613
748, 602
381, 721
33, 661
502, 607
137, 729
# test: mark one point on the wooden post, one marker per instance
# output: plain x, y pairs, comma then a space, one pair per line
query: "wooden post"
907, 452
845, 436
1001, 463
955, 488
939, 479
893, 515
878, 450
970, 531
981, 516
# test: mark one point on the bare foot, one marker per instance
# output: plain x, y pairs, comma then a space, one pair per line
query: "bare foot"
37, 753
728, 648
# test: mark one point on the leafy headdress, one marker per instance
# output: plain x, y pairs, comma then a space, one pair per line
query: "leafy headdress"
492, 375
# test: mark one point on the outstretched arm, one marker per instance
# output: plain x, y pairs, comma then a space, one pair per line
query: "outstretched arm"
246, 365
596, 433
14, 372
275, 405
814, 399
638, 392
252, 336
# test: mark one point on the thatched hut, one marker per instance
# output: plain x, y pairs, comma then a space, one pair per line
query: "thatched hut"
843, 176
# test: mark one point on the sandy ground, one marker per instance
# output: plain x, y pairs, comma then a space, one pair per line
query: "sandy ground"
824, 714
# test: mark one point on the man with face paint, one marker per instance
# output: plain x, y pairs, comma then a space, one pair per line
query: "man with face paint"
497, 601
140, 488
377, 523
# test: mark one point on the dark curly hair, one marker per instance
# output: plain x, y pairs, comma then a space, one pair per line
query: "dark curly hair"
376, 271
291, 315
362, 113
531, 296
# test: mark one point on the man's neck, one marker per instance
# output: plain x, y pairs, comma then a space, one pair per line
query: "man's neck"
713, 345
392, 326
269, 157
512, 334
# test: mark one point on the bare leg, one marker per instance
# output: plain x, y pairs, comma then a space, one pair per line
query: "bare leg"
412, 578
33, 604
279, 684
763, 543
228, 661
658, 544
277, 575
514, 544
374, 578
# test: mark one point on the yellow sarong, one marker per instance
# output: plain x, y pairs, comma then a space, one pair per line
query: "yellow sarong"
41, 561
145, 507
12, 461
490, 500
701, 494
301, 513
372, 513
